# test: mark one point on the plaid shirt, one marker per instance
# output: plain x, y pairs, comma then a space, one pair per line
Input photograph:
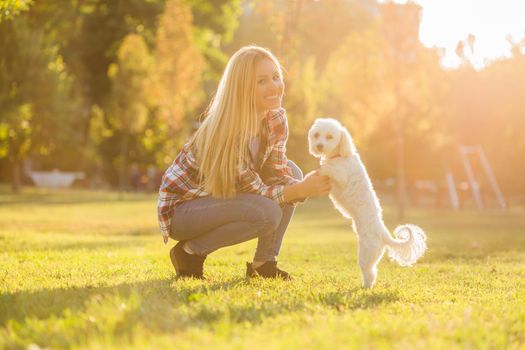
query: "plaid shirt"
268, 177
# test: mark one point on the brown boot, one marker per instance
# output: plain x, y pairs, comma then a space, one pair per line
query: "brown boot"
186, 265
267, 270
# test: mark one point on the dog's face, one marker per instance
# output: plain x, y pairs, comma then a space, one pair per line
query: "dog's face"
328, 138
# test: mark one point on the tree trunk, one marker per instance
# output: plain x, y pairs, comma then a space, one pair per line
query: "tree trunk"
123, 178
401, 183
15, 181
400, 148
85, 137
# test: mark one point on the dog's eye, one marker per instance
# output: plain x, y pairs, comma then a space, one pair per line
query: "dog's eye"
329, 137
316, 135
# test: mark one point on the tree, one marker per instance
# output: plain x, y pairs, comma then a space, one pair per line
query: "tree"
389, 94
11, 8
400, 24
214, 23
34, 95
129, 94
179, 65
353, 83
487, 109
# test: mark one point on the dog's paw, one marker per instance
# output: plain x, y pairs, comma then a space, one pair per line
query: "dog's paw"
332, 172
326, 170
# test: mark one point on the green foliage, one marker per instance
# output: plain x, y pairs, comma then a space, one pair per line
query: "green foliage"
302, 103
130, 81
11, 8
15, 134
215, 23
354, 82
130, 77
85, 270
74, 44
87, 36
179, 65
34, 87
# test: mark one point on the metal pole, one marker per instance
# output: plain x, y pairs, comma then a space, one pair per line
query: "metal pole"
474, 185
492, 178
454, 198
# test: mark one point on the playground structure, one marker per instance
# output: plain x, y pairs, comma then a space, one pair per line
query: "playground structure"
466, 153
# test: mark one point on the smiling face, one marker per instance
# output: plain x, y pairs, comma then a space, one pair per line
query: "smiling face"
323, 138
269, 86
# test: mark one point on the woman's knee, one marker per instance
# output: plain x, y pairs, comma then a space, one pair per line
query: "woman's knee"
268, 213
296, 171
176, 233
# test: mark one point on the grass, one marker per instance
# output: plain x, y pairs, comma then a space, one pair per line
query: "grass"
81, 269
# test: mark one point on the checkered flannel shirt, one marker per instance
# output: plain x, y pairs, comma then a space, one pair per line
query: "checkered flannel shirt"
180, 182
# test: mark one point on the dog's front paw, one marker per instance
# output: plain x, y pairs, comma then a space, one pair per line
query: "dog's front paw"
332, 172
326, 170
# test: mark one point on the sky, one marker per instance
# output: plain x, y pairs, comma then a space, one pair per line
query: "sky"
445, 22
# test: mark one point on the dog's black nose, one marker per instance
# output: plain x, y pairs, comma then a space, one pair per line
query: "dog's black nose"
320, 147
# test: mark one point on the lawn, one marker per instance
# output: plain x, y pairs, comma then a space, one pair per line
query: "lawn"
81, 269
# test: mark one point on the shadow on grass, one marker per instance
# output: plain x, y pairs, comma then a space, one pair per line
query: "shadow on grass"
64, 317
164, 306
358, 298
62, 247
159, 301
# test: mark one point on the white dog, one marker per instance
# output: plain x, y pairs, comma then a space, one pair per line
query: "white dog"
353, 195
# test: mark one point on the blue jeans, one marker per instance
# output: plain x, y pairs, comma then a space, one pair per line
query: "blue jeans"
208, 223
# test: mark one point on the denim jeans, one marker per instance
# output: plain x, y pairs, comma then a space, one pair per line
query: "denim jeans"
208, 223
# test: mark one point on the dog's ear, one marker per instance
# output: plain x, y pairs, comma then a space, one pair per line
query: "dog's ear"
346, 145
311, 143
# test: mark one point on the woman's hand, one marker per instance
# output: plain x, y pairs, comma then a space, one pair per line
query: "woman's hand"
315, 185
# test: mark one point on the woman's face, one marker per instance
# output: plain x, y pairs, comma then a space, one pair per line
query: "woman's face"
269, 86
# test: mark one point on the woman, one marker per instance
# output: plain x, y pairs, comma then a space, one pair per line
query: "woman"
232, 182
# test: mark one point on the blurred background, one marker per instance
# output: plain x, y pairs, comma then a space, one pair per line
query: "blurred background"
102, 94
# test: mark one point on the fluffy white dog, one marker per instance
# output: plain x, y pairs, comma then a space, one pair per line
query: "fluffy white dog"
353, 195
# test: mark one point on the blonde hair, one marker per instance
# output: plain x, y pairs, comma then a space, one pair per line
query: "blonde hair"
231, 120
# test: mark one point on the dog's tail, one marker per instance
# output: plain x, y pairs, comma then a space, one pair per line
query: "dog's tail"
408, 245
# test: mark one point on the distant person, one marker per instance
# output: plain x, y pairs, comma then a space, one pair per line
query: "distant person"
232, 181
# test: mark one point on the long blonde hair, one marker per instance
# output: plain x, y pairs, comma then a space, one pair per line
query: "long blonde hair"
231, 120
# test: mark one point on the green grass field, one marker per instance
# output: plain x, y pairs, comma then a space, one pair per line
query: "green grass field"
83, 270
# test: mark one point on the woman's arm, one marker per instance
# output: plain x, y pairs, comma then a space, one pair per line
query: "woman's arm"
275, 169
313, 185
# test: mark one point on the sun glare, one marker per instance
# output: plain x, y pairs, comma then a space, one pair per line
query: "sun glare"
493, 22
